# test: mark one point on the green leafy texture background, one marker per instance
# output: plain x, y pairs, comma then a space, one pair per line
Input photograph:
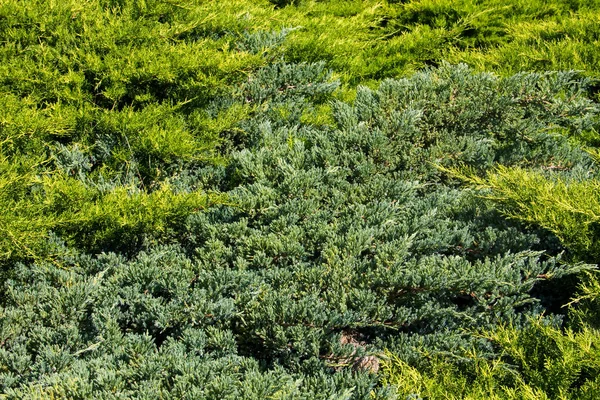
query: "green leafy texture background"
251, 199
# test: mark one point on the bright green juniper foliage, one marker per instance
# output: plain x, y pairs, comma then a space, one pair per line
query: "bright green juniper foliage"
102, 104
537, 362
568, 208
366, 41
232, 200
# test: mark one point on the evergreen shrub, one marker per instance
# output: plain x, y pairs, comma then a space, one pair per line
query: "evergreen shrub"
340, 240
249, 199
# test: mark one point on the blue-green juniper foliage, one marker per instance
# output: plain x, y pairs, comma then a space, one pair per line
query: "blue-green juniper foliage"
201, 201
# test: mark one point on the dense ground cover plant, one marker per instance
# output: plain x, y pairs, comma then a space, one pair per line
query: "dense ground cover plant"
342, 240
373, 40
199, 200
